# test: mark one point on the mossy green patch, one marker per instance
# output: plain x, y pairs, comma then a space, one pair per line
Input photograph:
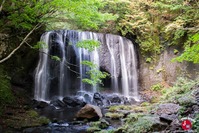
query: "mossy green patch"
114, 115
119, 107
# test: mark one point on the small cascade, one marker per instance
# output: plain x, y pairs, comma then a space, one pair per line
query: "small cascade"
63, 77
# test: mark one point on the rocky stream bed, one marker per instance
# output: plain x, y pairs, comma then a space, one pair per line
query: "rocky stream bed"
106, 114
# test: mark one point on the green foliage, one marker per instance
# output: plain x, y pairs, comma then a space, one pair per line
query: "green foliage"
56, 58
82, 14
156, 24
106, 131
138, 123
32, 113
142, 125
160, 70
43, 120
148, 60
102, 124
175, 51
145, 104
156, 87
93, 129
114, 115
196, 123
182, 88
191, 53
133, 117
6, 95
95, 75
90, 45
119, 107
40, 45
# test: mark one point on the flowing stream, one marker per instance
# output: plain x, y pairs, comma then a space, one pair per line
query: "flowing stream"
62, 76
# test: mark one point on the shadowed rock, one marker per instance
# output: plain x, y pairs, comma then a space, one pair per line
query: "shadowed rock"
57, 103
73, 102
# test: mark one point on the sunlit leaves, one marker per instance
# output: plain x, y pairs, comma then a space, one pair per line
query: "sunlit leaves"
40, 45
156, 24
90, 45
76, 14
56, 58
191, 53
95, 75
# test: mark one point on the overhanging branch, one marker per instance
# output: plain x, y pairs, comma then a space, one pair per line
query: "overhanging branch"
1, 7
22, 42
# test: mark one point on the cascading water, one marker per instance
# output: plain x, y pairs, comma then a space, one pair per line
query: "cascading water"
113, 72
61, 77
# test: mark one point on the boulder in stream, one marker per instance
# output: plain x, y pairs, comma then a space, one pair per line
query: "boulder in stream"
89, 112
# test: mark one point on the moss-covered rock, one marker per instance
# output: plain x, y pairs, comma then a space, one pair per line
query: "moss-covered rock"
98, 125
186, 100
27, 119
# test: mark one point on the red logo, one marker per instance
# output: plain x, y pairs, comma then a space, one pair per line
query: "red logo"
186, 124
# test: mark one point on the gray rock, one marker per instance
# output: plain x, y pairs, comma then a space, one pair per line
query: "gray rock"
175, 126
90, 112
197, 95
41, 105
168, 118
73, 102
167, 108
187, 100
57, 103
196, 109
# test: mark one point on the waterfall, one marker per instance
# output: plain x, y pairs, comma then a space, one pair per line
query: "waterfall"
42, 71
111, 45
62, 77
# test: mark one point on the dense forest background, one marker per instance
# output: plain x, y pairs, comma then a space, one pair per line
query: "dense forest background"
154, 25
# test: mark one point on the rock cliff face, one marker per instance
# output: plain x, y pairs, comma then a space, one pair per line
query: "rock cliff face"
164, 71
